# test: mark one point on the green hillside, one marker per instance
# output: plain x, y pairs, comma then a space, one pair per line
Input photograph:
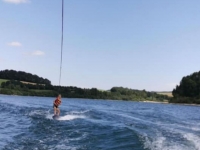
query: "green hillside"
12, 85
3, 80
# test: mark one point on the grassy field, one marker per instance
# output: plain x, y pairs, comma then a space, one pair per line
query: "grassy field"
165, 93
2, 80
31, 83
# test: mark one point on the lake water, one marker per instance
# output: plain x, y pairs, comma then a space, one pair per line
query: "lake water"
26, 124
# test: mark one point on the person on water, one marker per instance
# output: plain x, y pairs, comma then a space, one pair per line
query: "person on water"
56, 103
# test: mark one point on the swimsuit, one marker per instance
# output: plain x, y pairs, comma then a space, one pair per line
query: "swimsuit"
55, 106
57, 103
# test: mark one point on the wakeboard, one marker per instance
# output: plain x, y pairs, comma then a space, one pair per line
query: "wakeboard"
56, 117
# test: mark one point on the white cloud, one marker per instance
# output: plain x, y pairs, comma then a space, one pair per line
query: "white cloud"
16, 44
38, 53
16, 1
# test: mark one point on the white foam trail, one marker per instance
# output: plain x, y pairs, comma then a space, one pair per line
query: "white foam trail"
159, 142
156, 144
63, 147
191, 137
195, 128
37, 112
195, 140
70, 117
50, 116
162, 144
79, 112
41, 113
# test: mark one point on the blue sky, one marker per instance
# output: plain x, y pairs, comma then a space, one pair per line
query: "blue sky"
139, 44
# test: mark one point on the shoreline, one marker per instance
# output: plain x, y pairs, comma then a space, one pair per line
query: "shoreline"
145, 101
184, 104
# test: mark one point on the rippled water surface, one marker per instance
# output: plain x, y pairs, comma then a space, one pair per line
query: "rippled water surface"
26, 124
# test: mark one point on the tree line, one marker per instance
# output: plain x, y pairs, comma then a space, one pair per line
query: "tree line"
188, 91
15, 87
23, 76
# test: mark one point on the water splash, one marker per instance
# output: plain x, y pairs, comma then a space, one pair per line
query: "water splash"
71, 117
